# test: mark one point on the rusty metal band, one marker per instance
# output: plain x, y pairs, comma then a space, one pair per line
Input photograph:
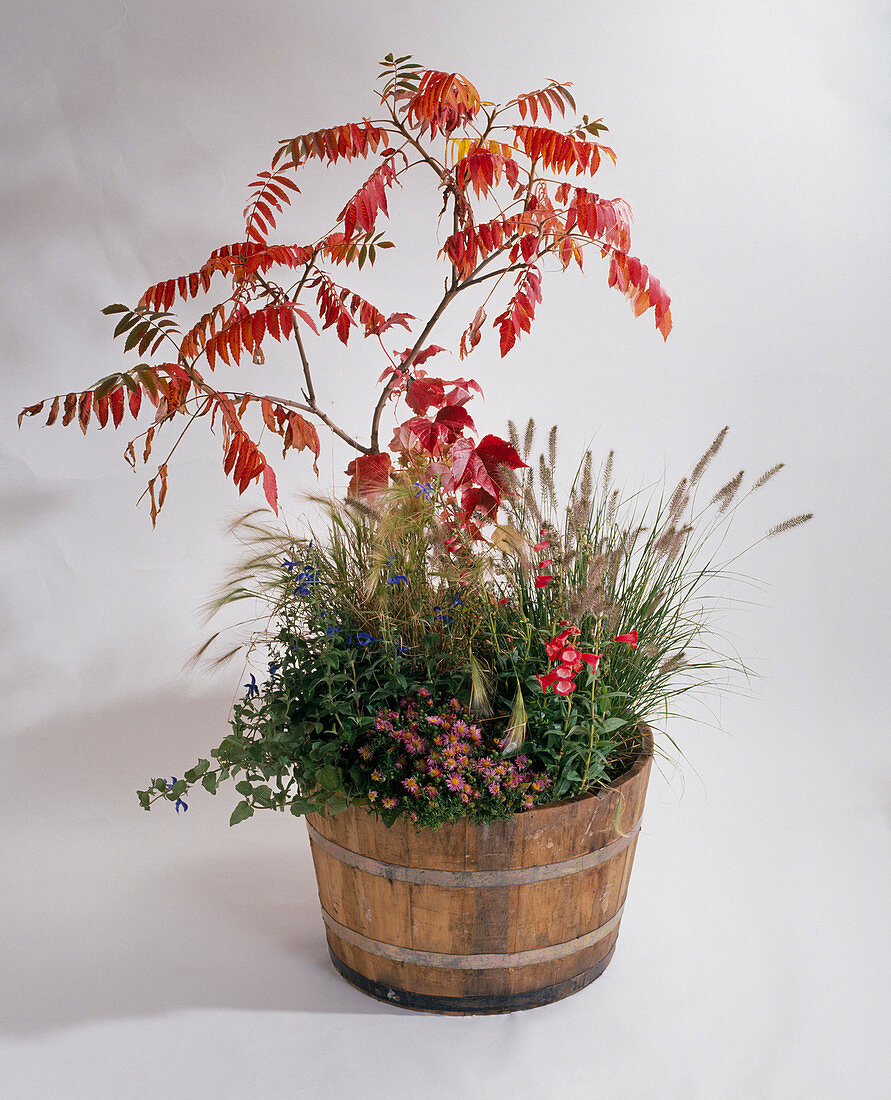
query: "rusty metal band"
510, 876
471, 962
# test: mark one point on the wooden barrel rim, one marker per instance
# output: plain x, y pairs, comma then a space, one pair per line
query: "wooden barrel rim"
511, 876
472, 962
640, 762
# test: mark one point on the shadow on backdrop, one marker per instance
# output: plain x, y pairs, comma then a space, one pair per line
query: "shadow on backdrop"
110, 912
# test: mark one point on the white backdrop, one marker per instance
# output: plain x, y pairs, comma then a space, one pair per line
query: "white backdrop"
156, 952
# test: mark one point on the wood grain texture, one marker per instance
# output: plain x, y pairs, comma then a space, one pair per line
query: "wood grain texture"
391, 915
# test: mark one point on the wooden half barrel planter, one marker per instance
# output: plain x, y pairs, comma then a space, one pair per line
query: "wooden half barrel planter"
478, 919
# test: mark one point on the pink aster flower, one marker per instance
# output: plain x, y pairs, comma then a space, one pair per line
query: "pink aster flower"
377, 777
455, 783
389, 803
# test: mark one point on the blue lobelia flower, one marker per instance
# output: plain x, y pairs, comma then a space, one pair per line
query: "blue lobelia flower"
178, 804
251, 687
362, 638
273, 668
397, 579
425, 490
438, 615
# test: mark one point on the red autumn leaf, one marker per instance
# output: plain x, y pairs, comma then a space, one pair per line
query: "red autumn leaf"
369, 475
520, 311
116, 401
351, 140
301, 435
83, 413
455, 417
100, 408
471, 336
444, 101
270, 488
421, 393
496, 452
231, 455
420, 357
402, 320
479, 500
460, 458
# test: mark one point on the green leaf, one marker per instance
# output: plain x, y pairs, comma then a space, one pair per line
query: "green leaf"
245, 787
242, 812
195, 773
105, 385
329, 777
116, 308
300, 806
136, 334
125, 322
210, 783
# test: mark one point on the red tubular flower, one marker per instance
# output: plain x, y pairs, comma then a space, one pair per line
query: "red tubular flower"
539, 546
543, 580
593, 659
546, 681
629, 639
564, 687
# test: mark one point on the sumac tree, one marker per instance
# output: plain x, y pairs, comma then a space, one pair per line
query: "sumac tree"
510, 184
